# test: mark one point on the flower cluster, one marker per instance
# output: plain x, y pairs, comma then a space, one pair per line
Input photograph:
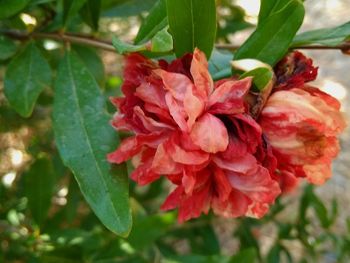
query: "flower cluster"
200, 135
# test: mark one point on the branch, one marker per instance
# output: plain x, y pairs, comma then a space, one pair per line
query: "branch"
107, 45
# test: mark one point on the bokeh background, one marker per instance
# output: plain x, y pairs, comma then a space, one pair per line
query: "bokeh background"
308, 225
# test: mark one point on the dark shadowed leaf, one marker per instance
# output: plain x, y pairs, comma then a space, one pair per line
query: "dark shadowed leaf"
11, 7
84, 137
71, 9
272, 38
192, 24
7, 48
91, 13
39, 185
148, 229
26, 77
154, 22
325, 36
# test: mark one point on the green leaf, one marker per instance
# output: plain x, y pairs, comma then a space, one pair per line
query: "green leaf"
262, 77
39, 184
26, 77
272, 38
196, 259
270, 7
162, 41
248, 255
123, 48
84, 137
91, 13
125, 8
326, 36
148, 229
154, 22
7, 48
219, 64
71, 9
11, 7
92, 61
192, 24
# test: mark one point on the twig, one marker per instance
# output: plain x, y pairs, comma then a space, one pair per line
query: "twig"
107, 45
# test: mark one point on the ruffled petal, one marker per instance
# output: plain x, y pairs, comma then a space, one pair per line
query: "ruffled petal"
210, 134
228, 98
202, 80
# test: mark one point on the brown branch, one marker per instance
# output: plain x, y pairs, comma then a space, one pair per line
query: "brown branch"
107, 45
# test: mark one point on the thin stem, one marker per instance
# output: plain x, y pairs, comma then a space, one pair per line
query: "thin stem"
107, 45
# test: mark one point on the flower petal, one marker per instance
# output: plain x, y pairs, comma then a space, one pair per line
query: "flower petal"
177, 112
176, 84
210, 134
201, 77
228, 98
163, 163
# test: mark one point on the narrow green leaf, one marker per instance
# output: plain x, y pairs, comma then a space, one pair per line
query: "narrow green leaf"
162, 41
84, 137
91, 13
39, 184
325, 36
272, 38
11, 7
154, 22
192, 24
123, 47
71, 9
269, 7
7, 48
26, 77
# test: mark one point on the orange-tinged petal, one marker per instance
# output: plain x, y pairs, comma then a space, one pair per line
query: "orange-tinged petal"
229, 96
193, 107
163, 163
201, 77
176, 111
210, 134
177, 84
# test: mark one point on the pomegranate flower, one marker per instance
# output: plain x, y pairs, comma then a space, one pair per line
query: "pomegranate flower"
196, 133
301, 123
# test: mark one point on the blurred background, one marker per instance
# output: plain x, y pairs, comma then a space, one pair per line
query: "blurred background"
49, 221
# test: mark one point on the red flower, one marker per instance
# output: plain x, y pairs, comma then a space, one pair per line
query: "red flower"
197, 134
302, 123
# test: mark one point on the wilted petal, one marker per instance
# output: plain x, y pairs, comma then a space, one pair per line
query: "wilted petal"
210, 134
